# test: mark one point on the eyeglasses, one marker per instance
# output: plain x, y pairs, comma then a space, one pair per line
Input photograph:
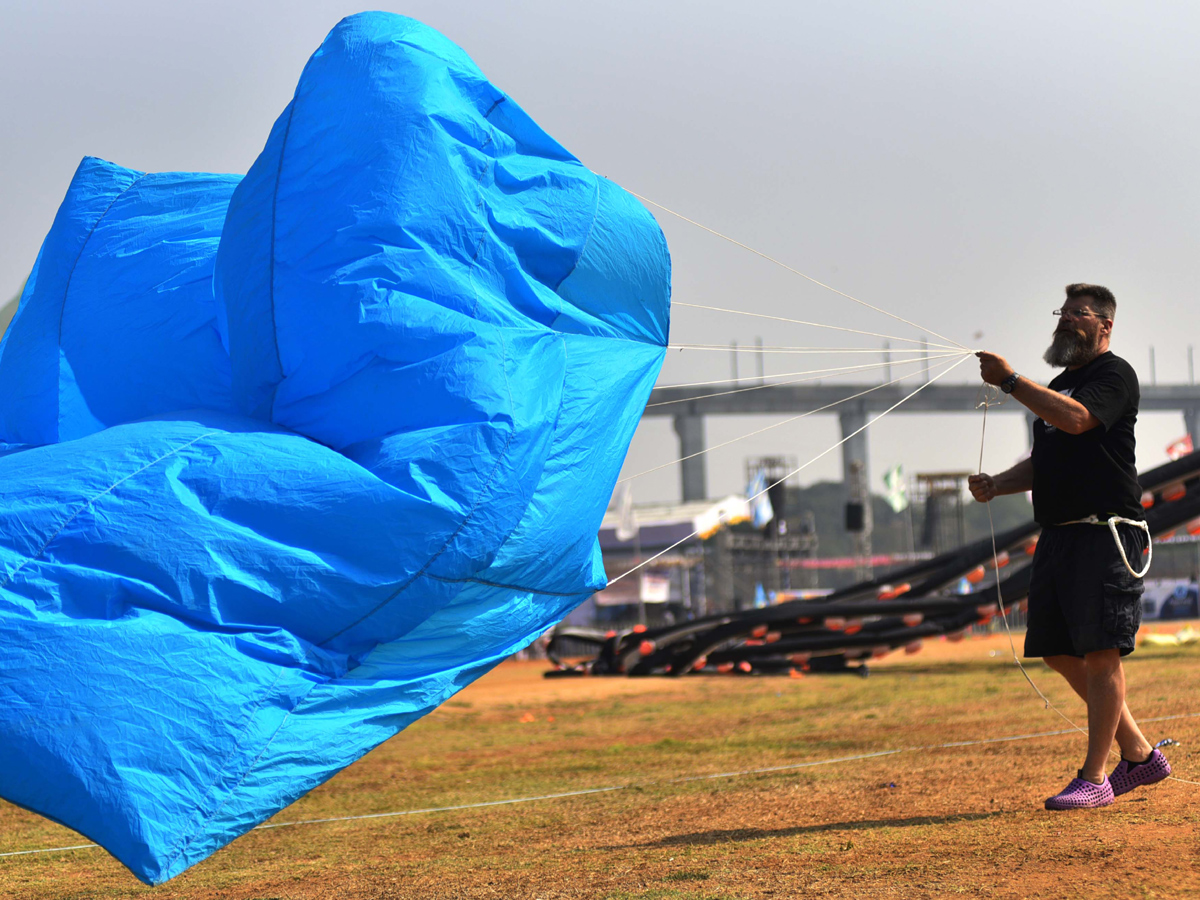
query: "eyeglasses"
1078, 314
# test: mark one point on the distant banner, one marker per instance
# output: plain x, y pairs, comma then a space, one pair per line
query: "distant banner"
655, 588
897, 490
651, 587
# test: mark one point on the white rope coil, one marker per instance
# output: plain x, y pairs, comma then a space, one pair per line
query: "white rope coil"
1112, 522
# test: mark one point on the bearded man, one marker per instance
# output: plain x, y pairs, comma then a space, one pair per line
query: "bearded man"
1084, 600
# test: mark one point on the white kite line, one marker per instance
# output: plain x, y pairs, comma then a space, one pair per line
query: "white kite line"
741, 773
828, 450
794, 271
803, 415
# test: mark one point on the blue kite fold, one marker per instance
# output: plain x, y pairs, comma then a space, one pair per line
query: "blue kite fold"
117, 320
266, 503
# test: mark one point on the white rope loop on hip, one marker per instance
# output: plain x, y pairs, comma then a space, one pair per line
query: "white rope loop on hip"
1112, 522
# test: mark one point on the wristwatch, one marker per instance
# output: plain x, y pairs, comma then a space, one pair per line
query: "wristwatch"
1009, 383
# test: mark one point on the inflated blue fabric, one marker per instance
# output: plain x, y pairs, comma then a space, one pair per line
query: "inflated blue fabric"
441, 332
117, 321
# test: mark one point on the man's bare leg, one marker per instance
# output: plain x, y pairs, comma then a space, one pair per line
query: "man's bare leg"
1104, 669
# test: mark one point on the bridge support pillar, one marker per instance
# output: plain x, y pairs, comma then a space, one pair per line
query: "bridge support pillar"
692, 473
1191, 420
854, 449
856, 479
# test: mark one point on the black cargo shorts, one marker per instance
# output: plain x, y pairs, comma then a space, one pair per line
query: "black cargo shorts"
1082, 598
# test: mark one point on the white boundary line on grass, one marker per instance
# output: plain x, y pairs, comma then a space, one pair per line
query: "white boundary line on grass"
624, 787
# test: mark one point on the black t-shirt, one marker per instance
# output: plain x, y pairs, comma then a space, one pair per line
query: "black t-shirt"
1094, 473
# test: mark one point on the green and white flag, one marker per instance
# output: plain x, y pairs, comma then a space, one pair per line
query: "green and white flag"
897, 490
627, 523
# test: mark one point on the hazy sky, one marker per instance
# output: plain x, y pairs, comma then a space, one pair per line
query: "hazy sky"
955, 163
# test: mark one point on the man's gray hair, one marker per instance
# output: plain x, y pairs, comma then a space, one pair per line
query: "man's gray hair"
1102, 298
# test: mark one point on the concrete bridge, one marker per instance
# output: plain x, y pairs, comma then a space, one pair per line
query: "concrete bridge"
790, 400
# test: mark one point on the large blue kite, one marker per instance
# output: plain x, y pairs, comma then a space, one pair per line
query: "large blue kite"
289, 459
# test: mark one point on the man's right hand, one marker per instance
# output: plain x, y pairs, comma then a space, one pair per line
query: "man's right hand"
983, 488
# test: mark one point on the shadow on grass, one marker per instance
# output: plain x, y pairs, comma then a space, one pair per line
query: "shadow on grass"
998, 663
736, 835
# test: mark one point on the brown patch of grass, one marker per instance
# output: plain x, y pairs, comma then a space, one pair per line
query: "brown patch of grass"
959, 820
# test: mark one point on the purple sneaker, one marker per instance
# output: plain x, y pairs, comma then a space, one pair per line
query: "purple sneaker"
1126, 777
1082, 794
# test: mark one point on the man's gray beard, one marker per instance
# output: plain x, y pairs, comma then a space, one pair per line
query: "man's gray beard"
1069, 349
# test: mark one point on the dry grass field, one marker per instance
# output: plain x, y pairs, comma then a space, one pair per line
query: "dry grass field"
928, 821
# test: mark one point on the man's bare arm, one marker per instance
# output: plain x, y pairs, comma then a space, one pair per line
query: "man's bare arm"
1050, 406
1054, 408
1011, 481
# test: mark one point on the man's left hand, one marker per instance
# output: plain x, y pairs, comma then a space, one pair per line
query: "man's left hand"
992, 368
